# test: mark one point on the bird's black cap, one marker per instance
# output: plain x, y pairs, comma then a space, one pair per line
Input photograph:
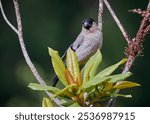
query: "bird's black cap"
87, 23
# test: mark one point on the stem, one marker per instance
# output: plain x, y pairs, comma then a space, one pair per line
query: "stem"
128, 64
19, 32
25, 53
125, 34
6, 20
134, 46
22, 44
100, 15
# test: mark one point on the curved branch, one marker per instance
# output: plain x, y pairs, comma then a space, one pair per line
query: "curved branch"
25, 53
134, 47
6, 20
22, 44
19, 32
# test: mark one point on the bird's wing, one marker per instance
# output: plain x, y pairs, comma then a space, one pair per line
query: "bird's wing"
75, 45
64, 55
78, 42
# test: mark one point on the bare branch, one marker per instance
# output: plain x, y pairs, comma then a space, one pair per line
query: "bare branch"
22, 44
100, 15
19, 32
5, 18
25, 54
135, 47
125, 34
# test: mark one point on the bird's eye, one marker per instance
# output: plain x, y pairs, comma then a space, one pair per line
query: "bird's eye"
87, 23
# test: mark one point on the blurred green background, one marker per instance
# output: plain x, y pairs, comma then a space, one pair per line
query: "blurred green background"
56, 24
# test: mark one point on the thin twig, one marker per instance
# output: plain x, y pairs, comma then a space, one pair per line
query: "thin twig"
19, 32
125, 34
26, 56
22, 44
5, 18
134, 47
100, 15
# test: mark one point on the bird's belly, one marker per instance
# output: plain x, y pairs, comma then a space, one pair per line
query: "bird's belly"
86, 51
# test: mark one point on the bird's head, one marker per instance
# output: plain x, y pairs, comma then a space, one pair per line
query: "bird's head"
89, 24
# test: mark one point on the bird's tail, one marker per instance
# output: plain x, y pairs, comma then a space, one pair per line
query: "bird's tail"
55, 80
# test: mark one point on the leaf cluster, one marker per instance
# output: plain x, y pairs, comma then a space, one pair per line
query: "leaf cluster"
86, 87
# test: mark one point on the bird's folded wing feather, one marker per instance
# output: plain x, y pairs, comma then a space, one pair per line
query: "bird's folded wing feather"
75, 45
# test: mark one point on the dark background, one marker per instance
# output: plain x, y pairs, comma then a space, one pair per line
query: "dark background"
55, 24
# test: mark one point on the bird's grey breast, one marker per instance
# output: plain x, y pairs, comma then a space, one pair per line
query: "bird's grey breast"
90, 44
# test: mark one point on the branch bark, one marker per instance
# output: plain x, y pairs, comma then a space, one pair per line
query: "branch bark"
6, 20
19, 32
124, 32
22, 44
134, 47
100, 15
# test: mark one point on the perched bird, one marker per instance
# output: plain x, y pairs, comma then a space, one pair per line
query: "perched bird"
86, 44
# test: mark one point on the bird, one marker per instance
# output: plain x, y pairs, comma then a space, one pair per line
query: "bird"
86, 44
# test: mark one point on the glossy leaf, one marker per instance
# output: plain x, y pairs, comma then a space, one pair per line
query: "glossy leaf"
67, 102
72, 64
111, 69
91, 66
35, 86
79, 81
66, 91
119, 77
126, 84
58, 65
69, 77
108, 87
75, 104
47, 102
93, 82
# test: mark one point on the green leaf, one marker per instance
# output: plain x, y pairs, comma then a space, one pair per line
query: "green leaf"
35, 86
72, 64
119, 77
111, 69
75, 104
91, 66
69, 77
66, 102
66, 91
126, 84
58, 65
107, 87
88, 86
47, 102
99, 80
